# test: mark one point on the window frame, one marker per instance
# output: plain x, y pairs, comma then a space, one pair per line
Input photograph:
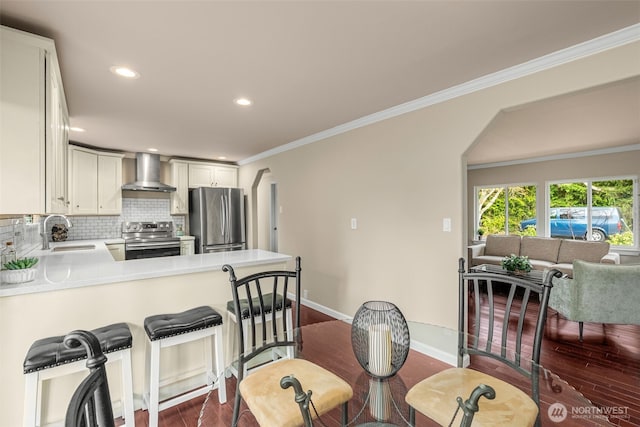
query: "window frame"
589, 181
505, 189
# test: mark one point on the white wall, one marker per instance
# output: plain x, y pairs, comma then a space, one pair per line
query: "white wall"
400, 178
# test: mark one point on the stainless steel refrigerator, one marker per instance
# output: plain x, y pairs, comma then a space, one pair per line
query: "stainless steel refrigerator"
216, 219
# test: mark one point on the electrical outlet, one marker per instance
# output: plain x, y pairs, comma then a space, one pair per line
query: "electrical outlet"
305, 294
354, 223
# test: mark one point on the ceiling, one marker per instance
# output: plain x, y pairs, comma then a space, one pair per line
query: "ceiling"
308, 66
599, 118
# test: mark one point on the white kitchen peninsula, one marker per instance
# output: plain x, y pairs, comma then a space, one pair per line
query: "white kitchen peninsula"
87, 289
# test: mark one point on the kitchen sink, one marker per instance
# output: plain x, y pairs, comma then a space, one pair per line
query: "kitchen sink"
73, 248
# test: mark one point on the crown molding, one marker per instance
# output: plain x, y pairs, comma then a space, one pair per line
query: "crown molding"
591, 47
600, 152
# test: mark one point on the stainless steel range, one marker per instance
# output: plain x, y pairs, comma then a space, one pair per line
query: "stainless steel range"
149, 240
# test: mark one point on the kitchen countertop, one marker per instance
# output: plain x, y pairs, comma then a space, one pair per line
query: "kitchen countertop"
80, 268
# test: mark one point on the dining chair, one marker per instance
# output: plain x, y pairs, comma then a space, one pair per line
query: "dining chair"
90, 405
505, 334
270, 403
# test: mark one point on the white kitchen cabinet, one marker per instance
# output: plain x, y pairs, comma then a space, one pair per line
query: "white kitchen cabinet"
224, 176
187, 245
95, 181
34, 131
56, 188
212, 175
180, 180
83, 181
110, 184
116, 250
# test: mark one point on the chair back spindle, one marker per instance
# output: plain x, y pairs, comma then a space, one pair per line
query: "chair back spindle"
259, 297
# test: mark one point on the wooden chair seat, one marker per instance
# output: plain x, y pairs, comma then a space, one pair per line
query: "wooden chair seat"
436, 396
274, 406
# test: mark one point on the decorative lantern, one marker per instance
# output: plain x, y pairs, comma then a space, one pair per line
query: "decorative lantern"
380, 338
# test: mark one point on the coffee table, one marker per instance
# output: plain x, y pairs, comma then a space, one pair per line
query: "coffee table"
535, 276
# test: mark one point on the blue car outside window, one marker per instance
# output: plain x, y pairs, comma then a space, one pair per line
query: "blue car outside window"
571, 222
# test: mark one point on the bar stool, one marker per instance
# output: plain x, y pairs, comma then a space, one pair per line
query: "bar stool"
166, 330
245, 317
49, 358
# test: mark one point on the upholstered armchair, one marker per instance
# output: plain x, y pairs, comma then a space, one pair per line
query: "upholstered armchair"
600, 293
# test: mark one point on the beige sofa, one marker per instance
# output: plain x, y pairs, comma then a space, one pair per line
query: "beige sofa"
543, 252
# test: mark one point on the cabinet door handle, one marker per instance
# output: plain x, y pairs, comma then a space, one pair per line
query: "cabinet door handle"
61, 198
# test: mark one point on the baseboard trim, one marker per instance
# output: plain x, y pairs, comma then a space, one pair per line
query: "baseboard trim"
421, 347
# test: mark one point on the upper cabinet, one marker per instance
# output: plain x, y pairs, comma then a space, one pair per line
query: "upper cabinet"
212, 175
34, 131
56, 185
95, 179
180, 180
186, 174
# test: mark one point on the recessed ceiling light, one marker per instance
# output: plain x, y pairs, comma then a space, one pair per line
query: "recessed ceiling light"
76, 129
153, 150
243, 102
124, 72
222, 157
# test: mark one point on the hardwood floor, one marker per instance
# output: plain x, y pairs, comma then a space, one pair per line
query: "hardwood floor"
605, 368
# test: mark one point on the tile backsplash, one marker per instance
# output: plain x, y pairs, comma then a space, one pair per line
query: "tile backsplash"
99, 227
26, 236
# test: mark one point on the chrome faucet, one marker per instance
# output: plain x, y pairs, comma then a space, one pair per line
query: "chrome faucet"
45, 233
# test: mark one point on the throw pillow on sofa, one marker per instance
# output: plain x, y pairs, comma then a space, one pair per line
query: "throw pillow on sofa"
540, 248
499, 245
571, 250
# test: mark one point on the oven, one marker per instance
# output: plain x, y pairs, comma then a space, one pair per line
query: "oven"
149, 240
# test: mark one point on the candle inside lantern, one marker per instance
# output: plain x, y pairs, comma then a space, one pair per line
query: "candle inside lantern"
380, 349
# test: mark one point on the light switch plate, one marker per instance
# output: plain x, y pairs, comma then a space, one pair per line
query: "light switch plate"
354, 223
446, 224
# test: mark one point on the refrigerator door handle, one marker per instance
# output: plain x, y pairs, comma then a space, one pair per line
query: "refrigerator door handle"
226, 218
222, 215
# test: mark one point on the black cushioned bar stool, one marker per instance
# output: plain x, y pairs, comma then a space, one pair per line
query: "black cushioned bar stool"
166, 330
48, 358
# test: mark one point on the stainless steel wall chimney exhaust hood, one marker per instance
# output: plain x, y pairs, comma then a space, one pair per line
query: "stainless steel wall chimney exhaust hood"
148, 175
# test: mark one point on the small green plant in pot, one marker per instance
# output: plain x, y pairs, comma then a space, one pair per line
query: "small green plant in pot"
21, 264
19, 271
516, 264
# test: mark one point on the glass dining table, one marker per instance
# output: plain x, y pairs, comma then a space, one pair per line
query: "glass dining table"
380, 402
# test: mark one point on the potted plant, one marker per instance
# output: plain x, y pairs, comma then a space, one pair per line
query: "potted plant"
516, 264
480, 233
19, 271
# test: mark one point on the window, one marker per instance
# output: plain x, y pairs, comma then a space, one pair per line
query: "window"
501, 209
594, 209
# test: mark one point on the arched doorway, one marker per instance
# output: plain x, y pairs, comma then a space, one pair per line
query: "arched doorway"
264, 211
